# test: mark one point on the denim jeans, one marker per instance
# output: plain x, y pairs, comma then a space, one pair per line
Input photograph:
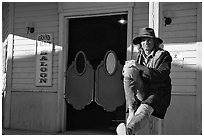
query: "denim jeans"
132, 83
132, 96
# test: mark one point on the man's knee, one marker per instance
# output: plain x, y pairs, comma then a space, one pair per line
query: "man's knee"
130, 72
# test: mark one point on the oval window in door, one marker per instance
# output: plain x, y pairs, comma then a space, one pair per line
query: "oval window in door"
110, 62
80, 61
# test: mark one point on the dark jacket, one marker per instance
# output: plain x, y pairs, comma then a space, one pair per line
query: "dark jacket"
157, 81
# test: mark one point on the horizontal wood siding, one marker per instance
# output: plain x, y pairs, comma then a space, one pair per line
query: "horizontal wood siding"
45, 20
91, 6
181, 118
184, 22
183, 75
5, 20
140, 16
5, 33
182, 37
34, 111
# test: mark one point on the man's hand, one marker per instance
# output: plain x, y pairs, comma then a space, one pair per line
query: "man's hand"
130, 63
133, 63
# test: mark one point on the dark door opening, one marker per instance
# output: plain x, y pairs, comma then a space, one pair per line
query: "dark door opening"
95, 36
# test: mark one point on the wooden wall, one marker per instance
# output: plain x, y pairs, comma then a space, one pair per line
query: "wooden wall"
5, 20
45, 20
140, 16
183, 113
88, 7
182, 39
33, 108
5, 33
184, 22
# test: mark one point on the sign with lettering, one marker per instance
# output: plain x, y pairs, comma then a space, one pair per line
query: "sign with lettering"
44, 48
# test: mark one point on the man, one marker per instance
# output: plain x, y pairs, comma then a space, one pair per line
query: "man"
147, 83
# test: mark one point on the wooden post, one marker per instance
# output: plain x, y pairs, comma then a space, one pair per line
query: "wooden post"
154, 22
61, 111
154, 16
129, 33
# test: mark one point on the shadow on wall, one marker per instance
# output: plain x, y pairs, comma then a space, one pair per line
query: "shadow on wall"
31, 106
182, 116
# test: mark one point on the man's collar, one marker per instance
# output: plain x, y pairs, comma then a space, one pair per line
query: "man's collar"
150, 55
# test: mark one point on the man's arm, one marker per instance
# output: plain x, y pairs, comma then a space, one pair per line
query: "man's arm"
161, 72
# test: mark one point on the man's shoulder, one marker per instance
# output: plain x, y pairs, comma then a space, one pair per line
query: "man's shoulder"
162, 51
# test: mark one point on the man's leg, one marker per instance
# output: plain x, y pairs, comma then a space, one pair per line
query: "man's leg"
130, 91
140, 119
132, 102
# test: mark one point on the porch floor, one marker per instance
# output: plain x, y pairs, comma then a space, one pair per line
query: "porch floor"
72, 132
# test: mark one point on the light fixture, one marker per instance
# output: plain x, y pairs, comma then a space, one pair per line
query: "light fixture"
167, 14
122, 21
167, 20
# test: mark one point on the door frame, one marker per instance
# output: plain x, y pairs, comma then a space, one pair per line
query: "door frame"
63, 53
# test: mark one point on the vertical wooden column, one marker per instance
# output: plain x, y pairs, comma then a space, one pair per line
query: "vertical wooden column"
62, 48
154, 22
130, 33
154, 16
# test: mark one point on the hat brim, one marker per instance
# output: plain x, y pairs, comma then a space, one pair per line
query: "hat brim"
137, 40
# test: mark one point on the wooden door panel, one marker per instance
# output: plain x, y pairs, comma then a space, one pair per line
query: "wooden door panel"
79, 87
109, 87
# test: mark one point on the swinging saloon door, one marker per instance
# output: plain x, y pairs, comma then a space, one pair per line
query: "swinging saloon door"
96, 54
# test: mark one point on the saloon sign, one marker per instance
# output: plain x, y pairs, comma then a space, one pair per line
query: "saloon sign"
44, 48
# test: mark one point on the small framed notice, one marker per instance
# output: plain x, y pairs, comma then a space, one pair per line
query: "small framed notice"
44, 49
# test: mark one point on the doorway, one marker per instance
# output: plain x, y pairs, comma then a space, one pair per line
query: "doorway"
95, 98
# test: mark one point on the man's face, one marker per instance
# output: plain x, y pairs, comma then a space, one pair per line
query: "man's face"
147, 44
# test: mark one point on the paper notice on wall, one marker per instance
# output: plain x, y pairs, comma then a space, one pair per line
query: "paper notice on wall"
177, 58
44, 49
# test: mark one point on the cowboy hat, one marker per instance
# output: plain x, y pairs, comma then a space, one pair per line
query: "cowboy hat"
146, 33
